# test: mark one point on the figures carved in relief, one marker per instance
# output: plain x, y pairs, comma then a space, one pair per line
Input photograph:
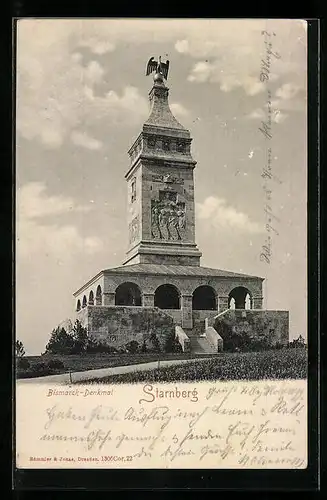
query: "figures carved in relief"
134, 229
167, 217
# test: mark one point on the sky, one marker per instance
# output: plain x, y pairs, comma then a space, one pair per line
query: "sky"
82, 97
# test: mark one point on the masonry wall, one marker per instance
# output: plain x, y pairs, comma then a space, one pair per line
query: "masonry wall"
199, 318
116, 326
272, 326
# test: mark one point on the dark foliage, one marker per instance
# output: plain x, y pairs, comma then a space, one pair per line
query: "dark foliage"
23, 364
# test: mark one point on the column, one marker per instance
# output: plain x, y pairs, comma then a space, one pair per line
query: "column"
257, 302
109, 299
222, 303
148, 300
187, 320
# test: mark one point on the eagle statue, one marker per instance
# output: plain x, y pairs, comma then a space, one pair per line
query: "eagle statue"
158, 67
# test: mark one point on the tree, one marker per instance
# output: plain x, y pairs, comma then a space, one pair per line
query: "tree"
60, 342
19, 348
155, 342
172, 344
80, 337
144, 348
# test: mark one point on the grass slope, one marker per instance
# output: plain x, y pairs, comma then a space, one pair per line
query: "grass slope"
84, 362
275, 364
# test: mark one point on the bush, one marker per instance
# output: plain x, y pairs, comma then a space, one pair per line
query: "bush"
132, 347
23, 364
56, 364
40, 369
94, 346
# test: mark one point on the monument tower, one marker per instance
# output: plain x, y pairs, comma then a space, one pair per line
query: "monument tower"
160, 180
161, 289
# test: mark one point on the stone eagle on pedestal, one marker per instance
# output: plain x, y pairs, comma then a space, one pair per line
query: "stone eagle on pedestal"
158, 67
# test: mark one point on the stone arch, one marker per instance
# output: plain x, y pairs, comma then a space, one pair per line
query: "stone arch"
204, 298
167, 297
78, 305
240, 294
98, 296
128, 294
91, 298
84, 302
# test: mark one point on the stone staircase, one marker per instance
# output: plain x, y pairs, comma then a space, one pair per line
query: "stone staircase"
199, 344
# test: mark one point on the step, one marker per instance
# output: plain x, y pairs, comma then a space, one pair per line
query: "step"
201, 345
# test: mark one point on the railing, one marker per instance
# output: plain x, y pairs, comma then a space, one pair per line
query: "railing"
214, 339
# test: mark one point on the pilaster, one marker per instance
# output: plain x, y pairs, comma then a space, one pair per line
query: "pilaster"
187, 319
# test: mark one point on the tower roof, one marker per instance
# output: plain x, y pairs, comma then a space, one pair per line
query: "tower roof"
161, 116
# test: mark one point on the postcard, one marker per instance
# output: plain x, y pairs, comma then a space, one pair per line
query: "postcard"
161, 244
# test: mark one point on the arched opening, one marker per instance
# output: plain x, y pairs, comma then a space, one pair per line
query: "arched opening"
98, 296
241, 297
167, 297
78, 306
128, 294
204, 298
84, 303
91, 298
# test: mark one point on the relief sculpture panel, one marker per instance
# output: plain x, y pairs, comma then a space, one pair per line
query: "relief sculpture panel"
167, 217
134, 229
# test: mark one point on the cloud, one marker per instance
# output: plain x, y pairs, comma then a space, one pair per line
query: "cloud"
201, 72
57, 240
94, 72
220, 215
257, 114
85, 141
287, 91
290, 97
212, 73
179, 110
260, 114
182, 46
231, 55
56, 93
279, 117
98, 46
33, 202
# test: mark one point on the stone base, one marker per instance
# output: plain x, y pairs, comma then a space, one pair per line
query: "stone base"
256, 325
170, 253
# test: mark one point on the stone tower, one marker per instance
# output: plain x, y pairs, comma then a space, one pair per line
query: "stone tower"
161, 287
161, 219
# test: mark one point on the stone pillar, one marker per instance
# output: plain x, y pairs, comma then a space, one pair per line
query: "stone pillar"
187, 320
222, 303
257, 302
148, 300
108, 299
